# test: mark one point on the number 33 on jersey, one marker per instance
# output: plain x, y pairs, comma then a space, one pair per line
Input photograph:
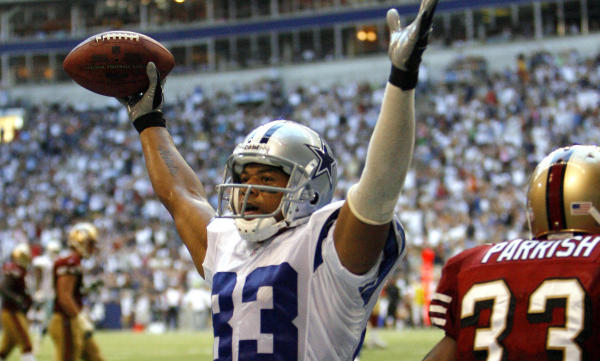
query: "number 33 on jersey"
496, 311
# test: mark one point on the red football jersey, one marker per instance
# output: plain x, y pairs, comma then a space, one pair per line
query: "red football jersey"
70, 265
523, 300
16, 285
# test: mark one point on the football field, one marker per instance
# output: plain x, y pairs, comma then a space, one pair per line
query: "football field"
403, 345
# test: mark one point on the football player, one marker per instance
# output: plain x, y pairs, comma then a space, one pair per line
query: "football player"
293, 275
531, 299
44, 289
15, 304
70, 328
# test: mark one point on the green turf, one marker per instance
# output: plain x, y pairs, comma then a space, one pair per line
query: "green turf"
180, 346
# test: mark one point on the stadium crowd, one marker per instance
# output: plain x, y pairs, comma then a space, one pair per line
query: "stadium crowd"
476, 143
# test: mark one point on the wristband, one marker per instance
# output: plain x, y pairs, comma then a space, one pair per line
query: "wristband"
152, 119
405, 80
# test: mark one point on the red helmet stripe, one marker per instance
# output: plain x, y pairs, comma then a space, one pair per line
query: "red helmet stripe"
554, 197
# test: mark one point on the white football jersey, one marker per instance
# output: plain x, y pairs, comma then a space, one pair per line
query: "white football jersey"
289, 298
45, 289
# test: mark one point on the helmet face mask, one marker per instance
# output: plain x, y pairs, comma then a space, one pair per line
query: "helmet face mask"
564, 192
301, 154
21, 255
235, 195
83, 238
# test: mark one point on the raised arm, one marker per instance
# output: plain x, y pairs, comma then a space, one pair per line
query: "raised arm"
173, 180
366, 216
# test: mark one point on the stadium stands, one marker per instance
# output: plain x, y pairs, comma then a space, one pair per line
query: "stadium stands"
480, 130
209, 36
477, 141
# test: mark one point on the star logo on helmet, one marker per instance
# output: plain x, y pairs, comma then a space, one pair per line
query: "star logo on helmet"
326, 161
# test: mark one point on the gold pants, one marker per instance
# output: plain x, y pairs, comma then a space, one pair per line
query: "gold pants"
16, 332
70, 344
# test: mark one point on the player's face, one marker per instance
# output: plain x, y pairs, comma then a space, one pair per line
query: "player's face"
91, 248
263, 202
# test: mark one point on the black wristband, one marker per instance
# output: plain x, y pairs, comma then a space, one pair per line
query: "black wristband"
152, 119
405, 80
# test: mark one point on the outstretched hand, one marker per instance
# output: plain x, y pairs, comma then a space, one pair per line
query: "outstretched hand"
150, 101
408, 44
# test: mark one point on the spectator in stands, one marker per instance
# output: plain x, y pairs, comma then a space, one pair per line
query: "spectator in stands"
392, 293
173, 298
197, 301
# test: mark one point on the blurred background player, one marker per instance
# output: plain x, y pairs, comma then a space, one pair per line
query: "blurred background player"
43, 298
531, 299
372, 337
15, 304
70, 328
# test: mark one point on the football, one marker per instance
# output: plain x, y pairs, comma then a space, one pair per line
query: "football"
113, 63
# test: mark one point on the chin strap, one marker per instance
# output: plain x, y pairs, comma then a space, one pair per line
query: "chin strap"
259, 229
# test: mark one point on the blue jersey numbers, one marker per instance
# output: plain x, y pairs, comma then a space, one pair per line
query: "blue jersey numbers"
282, 282
223, 285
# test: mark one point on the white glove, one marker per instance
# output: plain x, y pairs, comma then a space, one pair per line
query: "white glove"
145, 110
150, 101
85, 324
408, 44
27, 356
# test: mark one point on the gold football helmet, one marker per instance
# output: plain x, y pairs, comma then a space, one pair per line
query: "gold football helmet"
564, 192
83, 238
21, 255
